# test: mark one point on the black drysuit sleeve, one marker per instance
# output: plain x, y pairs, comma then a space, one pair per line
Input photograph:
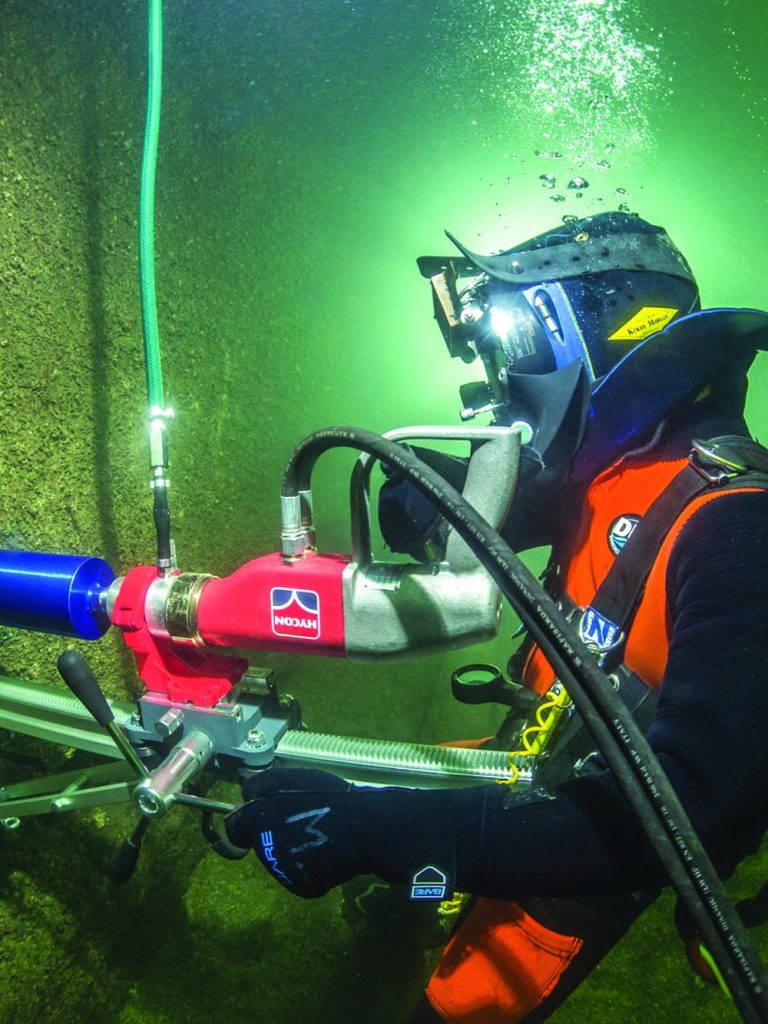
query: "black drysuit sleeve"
313, 831
709, 733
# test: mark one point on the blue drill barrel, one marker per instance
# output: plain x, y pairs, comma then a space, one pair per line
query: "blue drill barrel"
51, 593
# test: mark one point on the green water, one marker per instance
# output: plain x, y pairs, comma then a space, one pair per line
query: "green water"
309, 152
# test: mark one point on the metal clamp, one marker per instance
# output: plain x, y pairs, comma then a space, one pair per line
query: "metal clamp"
716, 461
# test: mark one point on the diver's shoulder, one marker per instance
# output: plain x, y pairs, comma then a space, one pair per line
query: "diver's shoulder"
729, 530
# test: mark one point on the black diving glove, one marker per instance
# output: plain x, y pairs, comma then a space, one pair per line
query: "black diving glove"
409, 522
313, 831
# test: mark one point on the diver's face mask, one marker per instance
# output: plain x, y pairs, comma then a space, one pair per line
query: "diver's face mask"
552, 321
498, 325
532, 352
534, 372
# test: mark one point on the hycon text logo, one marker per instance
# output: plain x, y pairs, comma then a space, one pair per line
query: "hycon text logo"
295, 613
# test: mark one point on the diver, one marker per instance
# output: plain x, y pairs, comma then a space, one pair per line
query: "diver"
641, 468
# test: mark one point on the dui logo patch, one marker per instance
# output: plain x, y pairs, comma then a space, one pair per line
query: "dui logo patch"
295, 613
620, 531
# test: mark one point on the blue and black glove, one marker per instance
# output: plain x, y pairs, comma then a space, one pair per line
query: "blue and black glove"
313, 831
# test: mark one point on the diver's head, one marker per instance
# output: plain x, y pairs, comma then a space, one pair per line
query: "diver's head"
593, 334
552, 318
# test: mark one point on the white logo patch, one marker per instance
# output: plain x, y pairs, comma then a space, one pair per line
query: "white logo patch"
430, 883
620, 531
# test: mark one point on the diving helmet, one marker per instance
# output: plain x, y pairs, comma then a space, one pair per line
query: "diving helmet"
593, 334
553, 317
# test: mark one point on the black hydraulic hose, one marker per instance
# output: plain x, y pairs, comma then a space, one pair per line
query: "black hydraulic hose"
162, 515
635, 766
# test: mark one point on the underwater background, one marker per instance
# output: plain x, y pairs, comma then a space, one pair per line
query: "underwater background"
310, 150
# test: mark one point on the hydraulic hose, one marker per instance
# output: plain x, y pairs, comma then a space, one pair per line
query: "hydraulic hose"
635, 766
147, 208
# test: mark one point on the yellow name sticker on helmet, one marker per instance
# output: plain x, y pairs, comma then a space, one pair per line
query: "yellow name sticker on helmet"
644, 323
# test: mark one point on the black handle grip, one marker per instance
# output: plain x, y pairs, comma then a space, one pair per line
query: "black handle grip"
220, 844
123, 864
76, 673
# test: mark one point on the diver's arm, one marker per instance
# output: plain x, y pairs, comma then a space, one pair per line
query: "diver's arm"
581, 838
708, 731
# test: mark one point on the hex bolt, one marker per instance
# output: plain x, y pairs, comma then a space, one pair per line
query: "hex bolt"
255, 738
169, 723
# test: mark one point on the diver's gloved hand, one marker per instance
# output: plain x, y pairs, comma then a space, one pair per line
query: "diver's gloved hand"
313, 831
302, 828
409, 522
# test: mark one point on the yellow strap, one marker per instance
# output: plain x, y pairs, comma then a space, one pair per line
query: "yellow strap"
708, 959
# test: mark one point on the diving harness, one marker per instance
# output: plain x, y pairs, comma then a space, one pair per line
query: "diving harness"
545, 735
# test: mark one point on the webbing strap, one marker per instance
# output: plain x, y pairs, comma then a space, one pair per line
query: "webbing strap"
619, 593
574, 749
605, 622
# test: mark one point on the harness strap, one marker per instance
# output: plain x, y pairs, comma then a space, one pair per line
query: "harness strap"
574, 751
605, 622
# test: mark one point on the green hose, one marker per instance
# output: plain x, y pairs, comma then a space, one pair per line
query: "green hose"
147, 208
158, 414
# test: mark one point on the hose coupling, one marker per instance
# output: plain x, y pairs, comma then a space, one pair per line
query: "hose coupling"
158, 438
297, 534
